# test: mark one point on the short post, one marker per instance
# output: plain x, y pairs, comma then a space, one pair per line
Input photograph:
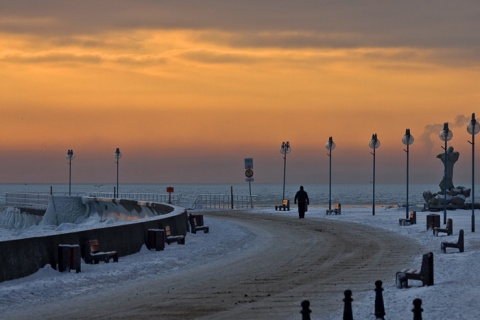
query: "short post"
379, 307
417, 309
170, 190
347, 310
305, 310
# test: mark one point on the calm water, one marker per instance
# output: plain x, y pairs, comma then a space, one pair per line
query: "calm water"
267, 195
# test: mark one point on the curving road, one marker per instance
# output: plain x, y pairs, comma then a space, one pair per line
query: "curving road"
293, 260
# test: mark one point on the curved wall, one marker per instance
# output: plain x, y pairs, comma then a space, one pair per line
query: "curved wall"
22, 257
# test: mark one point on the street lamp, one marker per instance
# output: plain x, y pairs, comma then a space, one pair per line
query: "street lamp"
407, 140
374, 144
473, 128
284, 149
445, 135
70, 157
330, 146
117, 156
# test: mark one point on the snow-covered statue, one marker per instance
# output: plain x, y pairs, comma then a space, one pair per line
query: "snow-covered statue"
455, 196
448, 158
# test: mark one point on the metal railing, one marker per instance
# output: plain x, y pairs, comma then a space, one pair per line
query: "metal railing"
148, 197
40, 200
223, 201
27, 200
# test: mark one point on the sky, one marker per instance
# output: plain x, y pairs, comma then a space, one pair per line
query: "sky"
187, 90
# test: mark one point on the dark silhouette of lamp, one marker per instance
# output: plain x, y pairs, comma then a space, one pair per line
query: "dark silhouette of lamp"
445, 135
407, 140
284, 149
70, 157
473, 128
374, 144
330, 146
117, 156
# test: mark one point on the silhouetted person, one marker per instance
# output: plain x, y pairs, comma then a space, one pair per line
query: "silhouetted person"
301, 197
452, 157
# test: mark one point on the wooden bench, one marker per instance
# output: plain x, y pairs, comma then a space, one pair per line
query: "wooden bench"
173, 238
93, 253
425, 274
284, 206
448, 229
336, 210
460, 245
196, 223
412, 219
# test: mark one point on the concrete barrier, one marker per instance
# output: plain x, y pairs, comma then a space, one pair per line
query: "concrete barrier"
22, 257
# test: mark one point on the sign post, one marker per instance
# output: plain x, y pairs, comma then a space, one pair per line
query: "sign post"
249, 175
170, 191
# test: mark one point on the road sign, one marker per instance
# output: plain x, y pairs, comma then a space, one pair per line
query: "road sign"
249, 179
249, 173
248, 163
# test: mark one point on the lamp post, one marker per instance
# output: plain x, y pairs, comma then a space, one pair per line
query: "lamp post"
374, 144
284, 149
407, 140
330, 146
445, 135
70, 157
117, 156
473, 128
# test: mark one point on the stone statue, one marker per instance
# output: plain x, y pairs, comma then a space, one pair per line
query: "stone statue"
449, 197
451, 157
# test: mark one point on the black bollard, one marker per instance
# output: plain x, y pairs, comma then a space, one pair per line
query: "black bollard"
379, 307
417, 309
347, 310
306, 310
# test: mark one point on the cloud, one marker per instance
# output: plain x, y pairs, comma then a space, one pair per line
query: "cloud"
430, 134
51, 57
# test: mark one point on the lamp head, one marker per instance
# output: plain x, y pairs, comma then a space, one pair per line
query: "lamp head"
446, 134
70, 155
407, 138
117, 154
285, 148
330, 144
374, 143
473, 127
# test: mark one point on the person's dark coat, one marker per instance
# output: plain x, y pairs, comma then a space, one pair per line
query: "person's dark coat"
301, 197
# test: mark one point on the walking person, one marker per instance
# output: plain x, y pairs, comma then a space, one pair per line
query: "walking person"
302, 198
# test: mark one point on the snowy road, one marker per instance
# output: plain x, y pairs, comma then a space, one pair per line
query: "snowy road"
287, 260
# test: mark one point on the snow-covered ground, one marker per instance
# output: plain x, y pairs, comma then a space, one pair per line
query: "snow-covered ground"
457, 275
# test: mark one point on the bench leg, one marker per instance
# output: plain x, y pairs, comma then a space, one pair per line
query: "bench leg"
401, 280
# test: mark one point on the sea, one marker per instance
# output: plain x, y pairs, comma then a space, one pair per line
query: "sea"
263, 195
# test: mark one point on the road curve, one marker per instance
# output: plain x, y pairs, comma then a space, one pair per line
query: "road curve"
293, 260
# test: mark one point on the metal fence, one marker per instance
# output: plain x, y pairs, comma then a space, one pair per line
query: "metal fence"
149, 197
40, 200
27, 200
223, 201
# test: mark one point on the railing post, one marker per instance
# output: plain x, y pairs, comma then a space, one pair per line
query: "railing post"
379, 307
347, 310
305, 310
417, 309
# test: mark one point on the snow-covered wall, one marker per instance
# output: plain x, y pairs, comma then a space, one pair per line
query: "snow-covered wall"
24, 256
14, 218
66, 209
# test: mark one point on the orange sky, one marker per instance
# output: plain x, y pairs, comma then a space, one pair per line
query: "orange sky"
188, 102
